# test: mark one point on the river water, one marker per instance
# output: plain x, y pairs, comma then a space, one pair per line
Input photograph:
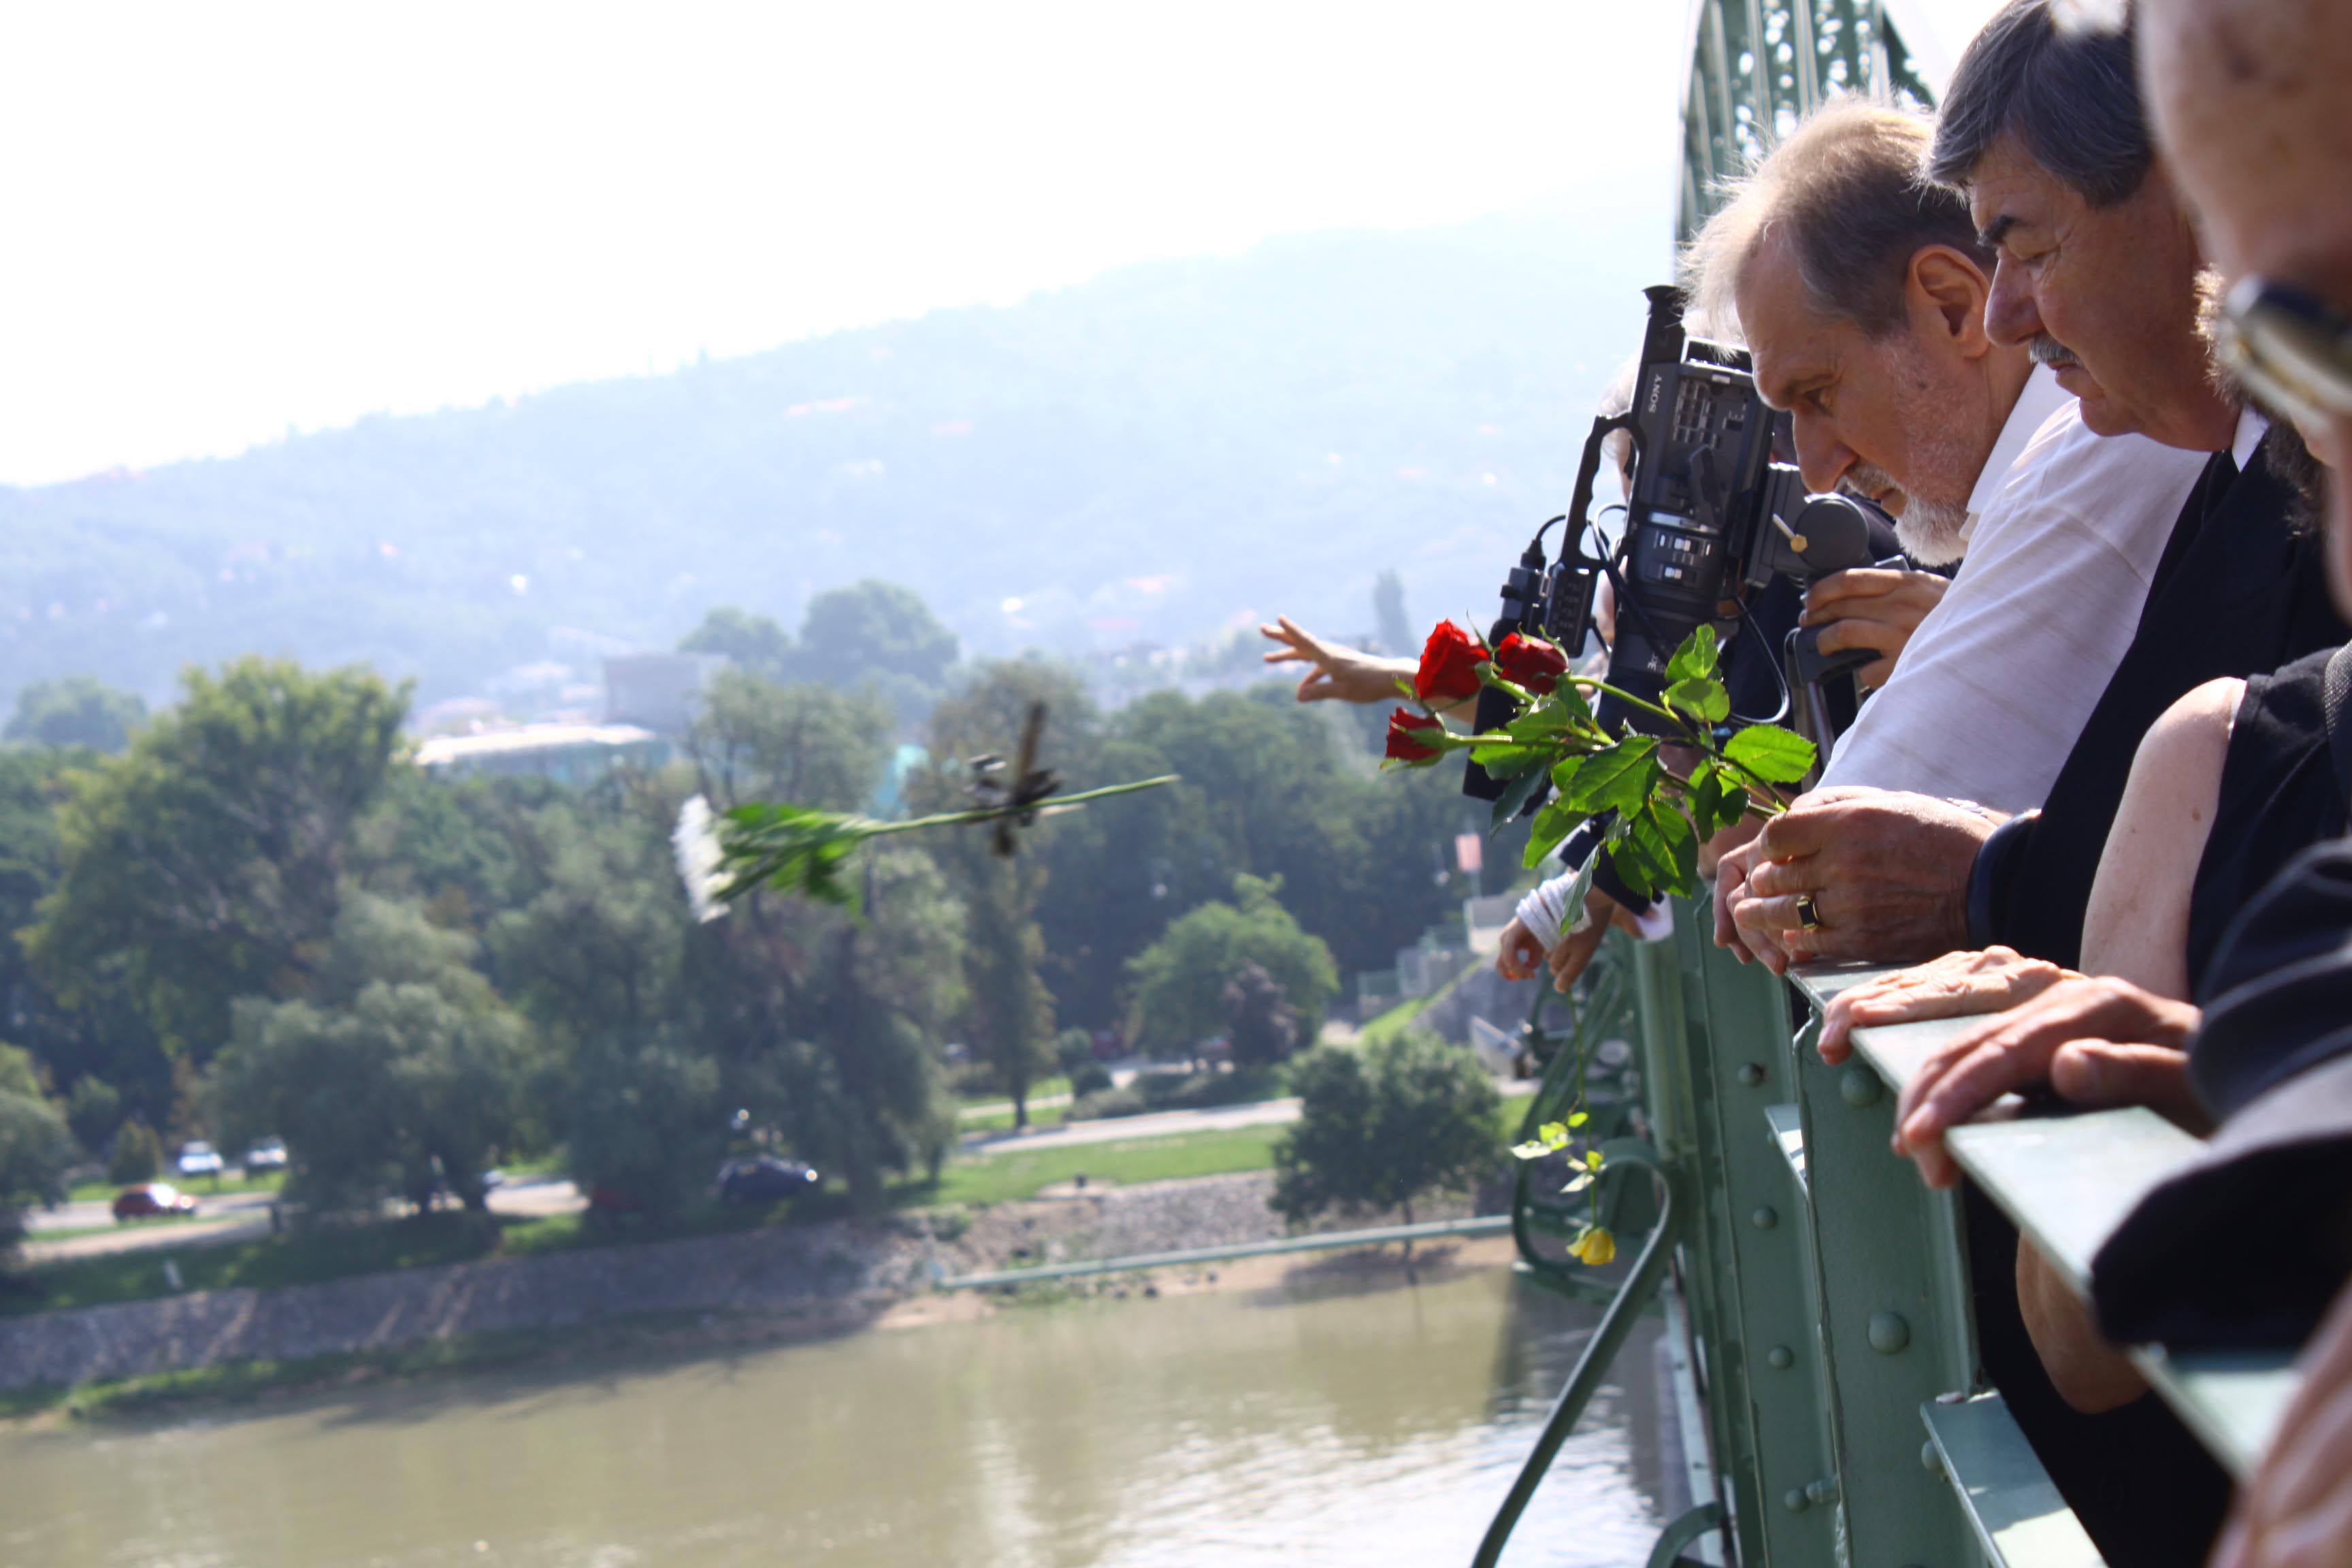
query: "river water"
1337, 1418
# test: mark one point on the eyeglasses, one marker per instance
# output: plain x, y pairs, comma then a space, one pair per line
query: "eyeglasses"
2291, 349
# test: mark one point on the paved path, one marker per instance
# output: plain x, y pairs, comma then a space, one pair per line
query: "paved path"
241, 1216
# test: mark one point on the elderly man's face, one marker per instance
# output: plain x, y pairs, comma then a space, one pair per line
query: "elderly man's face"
2249, 108
2105, 295
1895, 418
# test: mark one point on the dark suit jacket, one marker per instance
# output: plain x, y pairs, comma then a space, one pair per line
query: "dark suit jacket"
2240, 590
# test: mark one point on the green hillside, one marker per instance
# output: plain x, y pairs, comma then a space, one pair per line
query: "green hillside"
1149, 456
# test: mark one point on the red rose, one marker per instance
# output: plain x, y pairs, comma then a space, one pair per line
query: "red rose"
1531, 662
1449, 665
1407, 732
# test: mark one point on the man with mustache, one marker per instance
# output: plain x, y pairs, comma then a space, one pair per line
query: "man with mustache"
2097, 276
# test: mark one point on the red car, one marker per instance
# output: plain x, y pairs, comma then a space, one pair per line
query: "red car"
151, 1200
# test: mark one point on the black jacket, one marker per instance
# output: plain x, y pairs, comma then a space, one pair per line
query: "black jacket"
2240, 590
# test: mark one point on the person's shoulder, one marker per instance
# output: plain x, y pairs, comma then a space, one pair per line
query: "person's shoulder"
2194, 732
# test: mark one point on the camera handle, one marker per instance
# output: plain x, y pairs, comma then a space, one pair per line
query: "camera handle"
1813, 666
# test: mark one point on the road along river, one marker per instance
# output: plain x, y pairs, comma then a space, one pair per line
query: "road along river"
1324, 1414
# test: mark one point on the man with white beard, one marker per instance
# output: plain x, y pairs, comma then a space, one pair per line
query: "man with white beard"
1861, 291
1860, 287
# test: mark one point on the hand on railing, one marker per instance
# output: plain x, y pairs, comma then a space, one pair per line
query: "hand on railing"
1952, 986
2096, 1042
2296, 1512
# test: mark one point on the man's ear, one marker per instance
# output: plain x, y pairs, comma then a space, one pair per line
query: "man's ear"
1947, 293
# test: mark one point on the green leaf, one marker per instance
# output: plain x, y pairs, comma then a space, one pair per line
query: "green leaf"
1619, 778
1580, 888
1702, 698
1681, 845
1637, 863
1771, 754
1552, 823
1561, 713
1695, 659
790, 848
1659, 852
1507, 762
1515, 797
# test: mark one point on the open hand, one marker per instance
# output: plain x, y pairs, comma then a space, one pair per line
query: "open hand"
1346, 674
2097, 1042
1952, 986
1875, 609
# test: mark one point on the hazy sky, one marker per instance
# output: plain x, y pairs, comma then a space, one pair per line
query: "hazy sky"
224, 221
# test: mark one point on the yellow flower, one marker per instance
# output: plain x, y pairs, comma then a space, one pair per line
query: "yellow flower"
1593, 1244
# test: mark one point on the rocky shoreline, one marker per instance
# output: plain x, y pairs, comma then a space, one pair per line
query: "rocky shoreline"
781, 1282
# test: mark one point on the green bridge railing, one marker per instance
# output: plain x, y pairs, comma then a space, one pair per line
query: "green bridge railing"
1818, 1290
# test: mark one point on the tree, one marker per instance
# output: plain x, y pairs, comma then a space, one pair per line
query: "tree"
643, 1118
1378, 1128
811, 745
755, 644
102, 1032
36, 1150
79, 711
873, 629
403, 1068
138, 1156
93, 1111
210, 856
1179, 981
1008, 1015
1394, 626
1261, 1026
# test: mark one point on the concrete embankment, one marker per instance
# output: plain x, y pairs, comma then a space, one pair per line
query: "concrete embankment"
835, 1274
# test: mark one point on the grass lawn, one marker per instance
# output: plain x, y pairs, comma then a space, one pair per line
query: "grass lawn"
1010, 1176
1001, 1120
1393, 1021
1057, 1084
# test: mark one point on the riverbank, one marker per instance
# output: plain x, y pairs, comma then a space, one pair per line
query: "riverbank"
781, 1282
264, 1383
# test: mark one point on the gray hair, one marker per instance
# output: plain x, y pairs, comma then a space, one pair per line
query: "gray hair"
1849, 189
2068, 92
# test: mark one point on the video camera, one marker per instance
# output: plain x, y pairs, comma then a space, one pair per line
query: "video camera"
1711, 517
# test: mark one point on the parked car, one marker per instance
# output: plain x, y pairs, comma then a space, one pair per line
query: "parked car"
265, 1154
764, 1179
198, 1158
151, 1200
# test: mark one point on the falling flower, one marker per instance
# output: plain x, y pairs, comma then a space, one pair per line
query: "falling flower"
695, 841
1594, 1246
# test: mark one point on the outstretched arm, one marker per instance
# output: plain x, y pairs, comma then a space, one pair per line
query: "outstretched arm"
1335, 671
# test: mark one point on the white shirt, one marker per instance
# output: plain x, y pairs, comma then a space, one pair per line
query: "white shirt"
2064, 533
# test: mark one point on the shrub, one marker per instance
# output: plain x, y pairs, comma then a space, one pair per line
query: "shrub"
1106, 1103
1075, 1050
1380, 1127
1091, 1079
1180, 981
644, 1122
138, 1156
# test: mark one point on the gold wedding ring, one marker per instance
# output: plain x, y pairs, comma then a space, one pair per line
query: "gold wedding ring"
1809, 913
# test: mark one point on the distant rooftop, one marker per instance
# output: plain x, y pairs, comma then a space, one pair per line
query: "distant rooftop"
562, 751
